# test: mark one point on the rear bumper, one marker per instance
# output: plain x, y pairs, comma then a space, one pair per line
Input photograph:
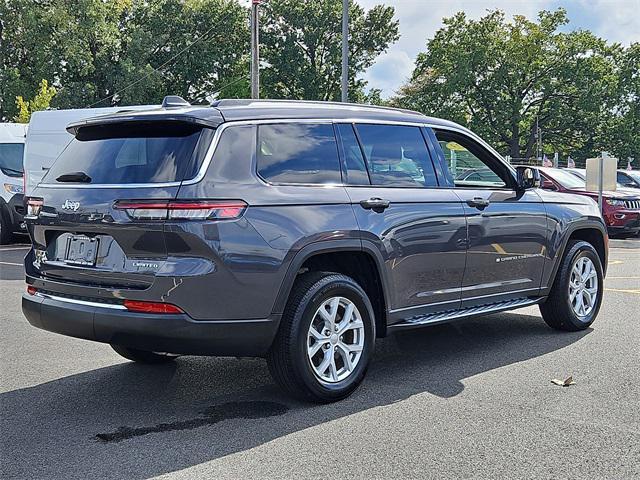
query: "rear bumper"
174, 333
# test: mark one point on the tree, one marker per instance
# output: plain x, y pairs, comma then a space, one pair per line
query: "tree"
499, 77
120, 52
302, 47
41, 101
620, 131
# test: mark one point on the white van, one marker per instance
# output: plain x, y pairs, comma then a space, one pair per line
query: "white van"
12, 138
47, 137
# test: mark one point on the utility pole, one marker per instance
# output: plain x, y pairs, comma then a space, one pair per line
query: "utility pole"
345, 50
255, 51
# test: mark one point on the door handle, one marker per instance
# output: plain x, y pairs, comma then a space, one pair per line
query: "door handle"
478, 202
376, 204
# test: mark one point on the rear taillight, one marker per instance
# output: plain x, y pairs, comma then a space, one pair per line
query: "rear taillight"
34, 205
182, 209
31, 290
151, 307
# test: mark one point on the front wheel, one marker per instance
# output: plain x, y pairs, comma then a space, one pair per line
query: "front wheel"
325, 340
143, 356
576, 294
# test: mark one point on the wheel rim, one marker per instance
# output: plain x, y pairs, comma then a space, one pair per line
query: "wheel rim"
583, 287
335, 340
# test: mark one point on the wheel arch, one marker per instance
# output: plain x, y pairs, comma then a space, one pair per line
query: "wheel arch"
346, 257
594, 233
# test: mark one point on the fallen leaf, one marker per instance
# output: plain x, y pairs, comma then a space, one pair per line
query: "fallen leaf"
564, 383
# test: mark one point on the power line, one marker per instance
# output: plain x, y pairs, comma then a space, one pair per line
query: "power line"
157, 69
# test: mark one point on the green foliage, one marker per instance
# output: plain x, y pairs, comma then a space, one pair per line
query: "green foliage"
302, 47
498, 77
41, 101
620, 130
137, 50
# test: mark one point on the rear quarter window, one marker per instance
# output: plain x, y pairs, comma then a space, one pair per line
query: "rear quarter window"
152, 152
298, 153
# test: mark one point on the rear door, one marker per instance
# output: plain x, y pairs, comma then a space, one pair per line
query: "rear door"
507, 227
419, 228
101, 222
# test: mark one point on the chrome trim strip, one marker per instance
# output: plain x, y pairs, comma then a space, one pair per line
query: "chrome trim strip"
223, 126
86, 303
532, 291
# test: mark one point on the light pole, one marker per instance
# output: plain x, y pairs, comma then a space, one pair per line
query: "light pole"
255, 51
345, 50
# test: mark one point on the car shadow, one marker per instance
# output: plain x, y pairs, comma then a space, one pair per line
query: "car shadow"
137, 421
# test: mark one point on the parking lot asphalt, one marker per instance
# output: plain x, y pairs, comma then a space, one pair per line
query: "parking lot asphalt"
470, 399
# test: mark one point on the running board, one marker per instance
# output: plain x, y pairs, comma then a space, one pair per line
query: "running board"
441, 317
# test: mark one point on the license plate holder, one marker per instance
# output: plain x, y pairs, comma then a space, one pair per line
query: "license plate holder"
81, 250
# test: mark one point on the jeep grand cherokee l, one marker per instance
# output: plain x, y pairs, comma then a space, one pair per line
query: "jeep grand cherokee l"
296, 231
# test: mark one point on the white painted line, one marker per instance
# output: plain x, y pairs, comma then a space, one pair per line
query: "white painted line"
2, 249
13, 264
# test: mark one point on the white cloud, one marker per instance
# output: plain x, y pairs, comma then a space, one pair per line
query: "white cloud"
615, 20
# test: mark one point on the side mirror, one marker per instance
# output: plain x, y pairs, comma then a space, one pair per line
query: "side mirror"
528, 177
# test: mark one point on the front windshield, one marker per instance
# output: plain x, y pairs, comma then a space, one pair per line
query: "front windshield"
11, 159
566, 179
634, 174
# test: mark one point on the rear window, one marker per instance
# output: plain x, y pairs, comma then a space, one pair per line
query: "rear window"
151, 152
298, 153
11, 159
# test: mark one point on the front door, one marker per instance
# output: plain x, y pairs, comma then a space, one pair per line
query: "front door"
507, 227
419, 228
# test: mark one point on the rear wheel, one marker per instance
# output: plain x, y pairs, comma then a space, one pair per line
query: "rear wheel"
325, 340
576, 295
143, 356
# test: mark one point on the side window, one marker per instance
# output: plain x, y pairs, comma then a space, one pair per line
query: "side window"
470, 164
396, 156
298, 153
354, 161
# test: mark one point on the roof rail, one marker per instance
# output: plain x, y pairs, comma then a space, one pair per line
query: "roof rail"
244, 102
174, 101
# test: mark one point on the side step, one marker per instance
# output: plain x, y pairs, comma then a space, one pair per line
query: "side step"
442, 317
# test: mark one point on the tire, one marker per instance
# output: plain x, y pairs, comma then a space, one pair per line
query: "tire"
143, 356
559, 310
6, 236
290, 362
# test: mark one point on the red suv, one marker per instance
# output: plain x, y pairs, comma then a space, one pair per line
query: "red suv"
620, 209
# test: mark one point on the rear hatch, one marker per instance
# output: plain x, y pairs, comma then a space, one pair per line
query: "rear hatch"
97, 218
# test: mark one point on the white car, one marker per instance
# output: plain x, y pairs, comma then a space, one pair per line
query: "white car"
48, 137
12, 137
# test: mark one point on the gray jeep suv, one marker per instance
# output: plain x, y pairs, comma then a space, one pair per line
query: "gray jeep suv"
296, 231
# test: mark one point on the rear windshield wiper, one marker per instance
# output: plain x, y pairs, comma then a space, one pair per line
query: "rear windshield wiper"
74, 177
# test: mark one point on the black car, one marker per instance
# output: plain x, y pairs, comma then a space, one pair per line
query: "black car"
295, 231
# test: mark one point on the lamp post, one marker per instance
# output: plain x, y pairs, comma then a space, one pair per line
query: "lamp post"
255, 53
345, 50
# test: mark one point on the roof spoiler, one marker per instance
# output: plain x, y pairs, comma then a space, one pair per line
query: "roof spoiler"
174, 101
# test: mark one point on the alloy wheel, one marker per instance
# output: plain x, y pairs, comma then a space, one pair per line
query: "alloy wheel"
335, 339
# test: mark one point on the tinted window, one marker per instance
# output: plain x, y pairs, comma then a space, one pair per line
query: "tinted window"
397, 156
353, 159
11, 158
469, 163
298, 153
152, 152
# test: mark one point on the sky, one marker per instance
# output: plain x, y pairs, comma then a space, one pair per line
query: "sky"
614, 20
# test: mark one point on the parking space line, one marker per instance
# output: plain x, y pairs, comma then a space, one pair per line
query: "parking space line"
622, 290
2, 249
13, 264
